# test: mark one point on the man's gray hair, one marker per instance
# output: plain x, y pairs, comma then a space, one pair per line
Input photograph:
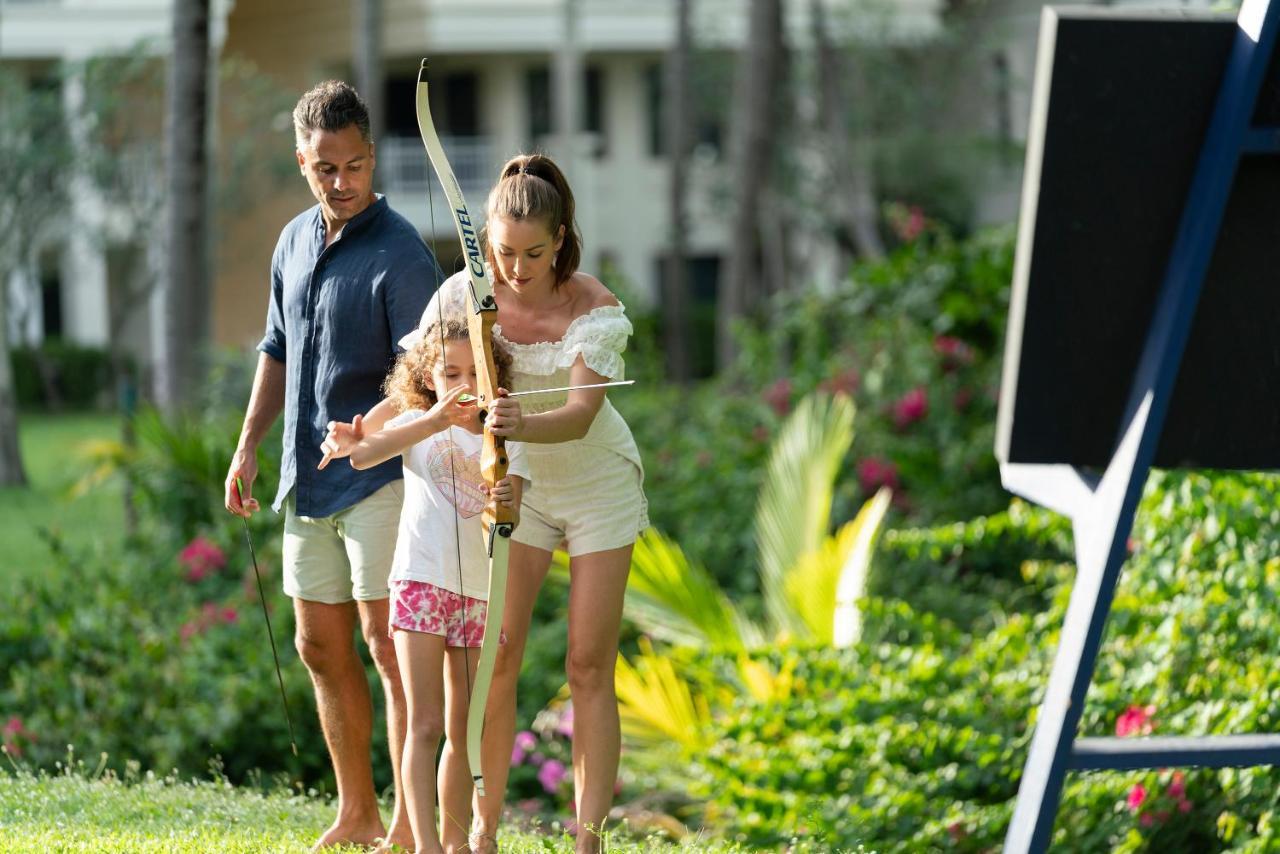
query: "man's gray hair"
330, 106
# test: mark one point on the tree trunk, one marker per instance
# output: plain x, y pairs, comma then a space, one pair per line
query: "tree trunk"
187, 274
370, 81
675, 284
854, 191
11, 470
751, 150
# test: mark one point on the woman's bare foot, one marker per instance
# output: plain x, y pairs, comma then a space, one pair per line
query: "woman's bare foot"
388, 847
401, 841
482, 843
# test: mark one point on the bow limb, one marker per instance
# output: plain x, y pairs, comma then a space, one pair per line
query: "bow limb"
498, 522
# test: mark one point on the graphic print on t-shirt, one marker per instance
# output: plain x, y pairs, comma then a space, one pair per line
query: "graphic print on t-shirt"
449, 465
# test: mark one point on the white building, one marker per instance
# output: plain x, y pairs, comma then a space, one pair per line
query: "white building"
492, 66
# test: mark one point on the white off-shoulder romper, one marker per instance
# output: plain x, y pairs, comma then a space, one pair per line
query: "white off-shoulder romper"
587, 493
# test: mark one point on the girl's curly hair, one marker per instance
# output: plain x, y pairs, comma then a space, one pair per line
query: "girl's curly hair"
406, 385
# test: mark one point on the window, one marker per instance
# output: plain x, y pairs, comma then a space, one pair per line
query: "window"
455, 104
538, 92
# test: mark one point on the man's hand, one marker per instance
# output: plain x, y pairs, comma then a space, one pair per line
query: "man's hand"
244, 468
341, 439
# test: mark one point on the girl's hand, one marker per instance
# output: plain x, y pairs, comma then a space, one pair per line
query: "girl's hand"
505, 417
503, 493
448, 412
341, 439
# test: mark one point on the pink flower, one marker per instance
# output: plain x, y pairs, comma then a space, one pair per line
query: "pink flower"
529, 805
517, 755
229, 615
1135, 720
907, 221
910, 408
1146, 819
526, 740
1137, 795
564, 726
551, 775
778, 396
952, 351
14, 734
189, 630
875, 472
956, 831
201, 557
1184, 805
1177, 785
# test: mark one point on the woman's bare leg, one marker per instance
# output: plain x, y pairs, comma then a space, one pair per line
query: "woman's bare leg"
526, 571
598, 582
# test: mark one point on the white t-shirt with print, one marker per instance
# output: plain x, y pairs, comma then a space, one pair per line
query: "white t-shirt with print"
434, 526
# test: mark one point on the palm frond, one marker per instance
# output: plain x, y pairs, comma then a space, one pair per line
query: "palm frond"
676, 600
846, 624
794, 510
813, 583
656, 705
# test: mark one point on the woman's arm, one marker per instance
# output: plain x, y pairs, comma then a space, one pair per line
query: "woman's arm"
562, 424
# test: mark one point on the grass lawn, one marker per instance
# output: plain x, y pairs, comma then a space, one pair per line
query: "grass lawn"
76, 813
51, 454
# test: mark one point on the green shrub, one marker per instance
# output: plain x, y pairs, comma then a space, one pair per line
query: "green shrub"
915, 738
80, 376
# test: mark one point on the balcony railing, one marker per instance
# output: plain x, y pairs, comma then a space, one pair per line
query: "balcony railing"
403, 168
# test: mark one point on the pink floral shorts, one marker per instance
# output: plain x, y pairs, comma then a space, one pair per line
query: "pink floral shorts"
419, 606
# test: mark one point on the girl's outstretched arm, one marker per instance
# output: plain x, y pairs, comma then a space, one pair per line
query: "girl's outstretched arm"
386, 443
343, 436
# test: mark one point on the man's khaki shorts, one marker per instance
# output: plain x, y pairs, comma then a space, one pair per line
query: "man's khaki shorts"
346, 556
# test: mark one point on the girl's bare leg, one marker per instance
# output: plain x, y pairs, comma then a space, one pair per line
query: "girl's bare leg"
598, 582
455, 773
526, 571
422, 669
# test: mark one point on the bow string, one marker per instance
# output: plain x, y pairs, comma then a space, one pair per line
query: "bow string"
482, 312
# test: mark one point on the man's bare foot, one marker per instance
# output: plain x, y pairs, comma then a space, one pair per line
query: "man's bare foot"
365, 836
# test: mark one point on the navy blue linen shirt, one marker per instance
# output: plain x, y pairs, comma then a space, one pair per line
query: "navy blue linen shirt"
335, 316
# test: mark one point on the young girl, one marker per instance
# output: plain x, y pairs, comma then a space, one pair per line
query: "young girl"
439, 577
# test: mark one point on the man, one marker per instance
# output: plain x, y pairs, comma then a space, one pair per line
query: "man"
349, 277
